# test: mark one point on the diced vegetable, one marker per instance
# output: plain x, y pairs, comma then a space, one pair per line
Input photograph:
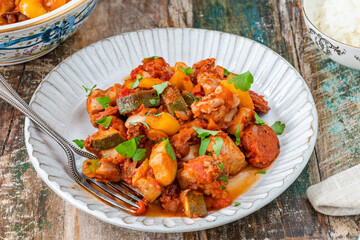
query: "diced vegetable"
148, 83
106, 139
189, 98
163, 166
89, 167
245, 99
173, 100
242, 117
149, 188
133, 101
194, 203
164, 122
181, 81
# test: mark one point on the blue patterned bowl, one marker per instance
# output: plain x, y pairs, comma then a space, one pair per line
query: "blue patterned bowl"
25, 41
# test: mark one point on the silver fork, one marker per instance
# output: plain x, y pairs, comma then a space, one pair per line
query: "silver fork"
120, 191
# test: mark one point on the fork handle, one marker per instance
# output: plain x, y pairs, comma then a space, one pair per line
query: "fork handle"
10, 95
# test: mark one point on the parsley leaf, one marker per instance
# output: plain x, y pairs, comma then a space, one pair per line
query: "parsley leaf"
127, 148
103, 101
203, 146
242, 81
237, 204
79, 143
136, 83
218, 145
196, 99
146, 125
153, 100
261, 172
221, 165
337, 163
258, 120
237, 141
226, 72
169, 149
106, 156
187, 71
204, 132
224, 179
156, 114
105, 121
133, 123
89, 89
223, 187
139, 154
160, 87
153, 57
278, 127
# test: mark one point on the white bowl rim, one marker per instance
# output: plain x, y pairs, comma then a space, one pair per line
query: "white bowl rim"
313, 25
273, 194
43, 18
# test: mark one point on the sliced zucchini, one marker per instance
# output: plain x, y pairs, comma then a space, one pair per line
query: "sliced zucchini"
89, 167
173, 100
133, 101
106, 139
194, 204
189, 98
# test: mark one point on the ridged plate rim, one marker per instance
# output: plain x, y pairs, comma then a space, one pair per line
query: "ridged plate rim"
199, 224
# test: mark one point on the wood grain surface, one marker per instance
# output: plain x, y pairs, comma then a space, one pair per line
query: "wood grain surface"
30, 210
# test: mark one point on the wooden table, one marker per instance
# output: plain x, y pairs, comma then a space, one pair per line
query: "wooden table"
30, 210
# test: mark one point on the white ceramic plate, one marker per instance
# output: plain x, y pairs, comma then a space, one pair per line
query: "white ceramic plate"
60, 99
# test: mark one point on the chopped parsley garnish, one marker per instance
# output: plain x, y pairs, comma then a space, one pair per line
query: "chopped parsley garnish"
89, 89
242, 81
221, 165
196, 99
337, 163
156, 114
103, 101
258, 120
224, 179
261, 172
237, 204
105, 121
80, 143
218, 145
169, 149
106, 156
153, 100
160, 87
223, 187
139, 154
226, 72
133, 123
146, 125
203, 146
237, 140
129, 147
137, 81
187, 71
278, 127
153, 57
204, 132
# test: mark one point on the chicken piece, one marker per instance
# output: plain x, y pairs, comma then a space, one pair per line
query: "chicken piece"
169, 199
144, 180
220, 106
201, 174
261, 145
242, 118
93, 106
208, 82
154, 68
180, 141
230, 155
163, 166
261, 106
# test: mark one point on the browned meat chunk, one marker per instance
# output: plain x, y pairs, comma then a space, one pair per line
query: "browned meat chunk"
261, 145
260, 104
180, 141
169, 199
242, 118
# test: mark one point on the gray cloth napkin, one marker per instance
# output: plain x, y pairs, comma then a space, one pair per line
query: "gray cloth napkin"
339, 195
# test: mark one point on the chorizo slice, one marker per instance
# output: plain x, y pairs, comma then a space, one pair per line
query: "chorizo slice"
261, 106
261, 145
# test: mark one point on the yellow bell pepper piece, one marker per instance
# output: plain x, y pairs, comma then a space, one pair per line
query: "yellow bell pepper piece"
149, 82
245, 99
32, 8
164, 122
181, 81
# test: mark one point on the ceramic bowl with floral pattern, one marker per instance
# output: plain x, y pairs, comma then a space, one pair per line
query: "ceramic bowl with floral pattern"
342, 53
24, 41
